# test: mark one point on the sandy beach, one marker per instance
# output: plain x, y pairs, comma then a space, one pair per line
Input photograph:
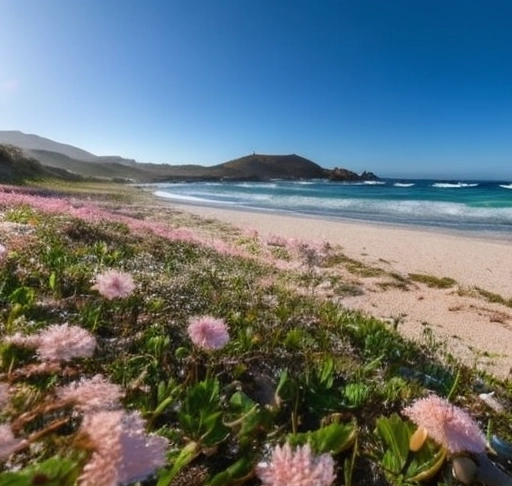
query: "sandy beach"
462, 319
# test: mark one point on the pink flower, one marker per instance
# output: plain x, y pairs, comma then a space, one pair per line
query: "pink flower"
18, 339
91, 394
447, 424
112, 284
63, 343
58, 342
8, 443
208, 332
296, 468
3, 252
123, 453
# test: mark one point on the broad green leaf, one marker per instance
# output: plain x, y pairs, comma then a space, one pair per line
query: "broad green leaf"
395, 434
333, 438
399, 460
241, 401
424, 471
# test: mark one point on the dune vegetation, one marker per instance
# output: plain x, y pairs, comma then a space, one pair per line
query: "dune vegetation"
142, 345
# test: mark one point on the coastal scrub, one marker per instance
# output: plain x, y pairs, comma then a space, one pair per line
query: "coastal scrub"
218, 371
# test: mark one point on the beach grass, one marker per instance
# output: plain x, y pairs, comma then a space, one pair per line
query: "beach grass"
433, 281
297, 367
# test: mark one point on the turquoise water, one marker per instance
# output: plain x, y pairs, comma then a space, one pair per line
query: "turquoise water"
479, 206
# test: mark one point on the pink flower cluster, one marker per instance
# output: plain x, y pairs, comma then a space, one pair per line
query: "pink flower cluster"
299, 467
447, 424
113, 284
208, 333
58, 342
91, 394
3, 252
123, 452
12, 196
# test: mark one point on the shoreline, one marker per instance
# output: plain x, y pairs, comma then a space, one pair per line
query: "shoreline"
271, 223
486, 235
473, 329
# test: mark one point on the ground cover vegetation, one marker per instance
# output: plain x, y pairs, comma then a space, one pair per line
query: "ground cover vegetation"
138, 347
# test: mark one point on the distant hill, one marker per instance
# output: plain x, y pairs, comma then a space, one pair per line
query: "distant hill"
29, 142
15, 167
32, 145
97, 168
257, 166
60, 158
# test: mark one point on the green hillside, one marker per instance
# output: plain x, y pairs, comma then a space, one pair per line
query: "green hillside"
15, 167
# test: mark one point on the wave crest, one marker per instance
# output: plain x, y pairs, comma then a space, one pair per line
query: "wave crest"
456, 185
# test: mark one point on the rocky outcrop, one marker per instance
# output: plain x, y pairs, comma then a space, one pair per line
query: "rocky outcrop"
345, 175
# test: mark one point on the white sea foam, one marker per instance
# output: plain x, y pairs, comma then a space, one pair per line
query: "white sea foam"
426, 211
365, 183
185, 197
453, 185
256, 185
337, 200
166, 184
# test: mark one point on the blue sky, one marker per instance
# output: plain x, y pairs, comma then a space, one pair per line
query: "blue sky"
400, 87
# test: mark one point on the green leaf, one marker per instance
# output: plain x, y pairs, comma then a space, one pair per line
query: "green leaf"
15, 479
201, 413
185, 457
23, 296
399, 460
283, 379
249, 419
356, 394
425, 468
395, 434
216, 431
234, 473
326, 373
294, 338
181, 352
333, 438
52, 281
56, 471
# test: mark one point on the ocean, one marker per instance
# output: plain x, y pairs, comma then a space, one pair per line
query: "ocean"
469, 206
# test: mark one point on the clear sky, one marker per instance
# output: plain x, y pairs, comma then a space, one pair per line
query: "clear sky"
403, 88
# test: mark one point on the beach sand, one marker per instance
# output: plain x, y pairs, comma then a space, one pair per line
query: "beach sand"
459, 318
